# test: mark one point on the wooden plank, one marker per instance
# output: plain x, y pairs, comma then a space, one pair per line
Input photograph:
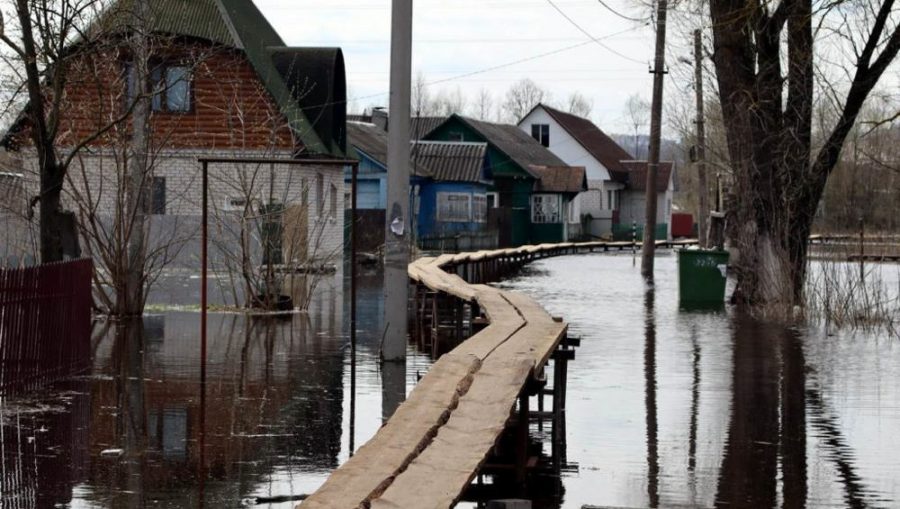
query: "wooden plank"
437, 477
398, 442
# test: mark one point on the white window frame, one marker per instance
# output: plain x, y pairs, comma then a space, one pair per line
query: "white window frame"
546, 209
496, 197
446, 213
479, 208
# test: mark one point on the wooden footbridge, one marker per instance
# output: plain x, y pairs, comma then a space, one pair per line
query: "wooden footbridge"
440, 438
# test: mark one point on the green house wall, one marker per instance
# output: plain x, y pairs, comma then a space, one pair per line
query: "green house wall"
512, 183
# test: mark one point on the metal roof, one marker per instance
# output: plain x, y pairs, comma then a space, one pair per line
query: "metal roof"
560, 179
284, 71
592, 138
452, 161
516, 144
373, 142
420, 127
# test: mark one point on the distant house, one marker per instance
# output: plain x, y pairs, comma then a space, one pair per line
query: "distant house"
448, 186
511, 153
551, 210
614, 196
224, 84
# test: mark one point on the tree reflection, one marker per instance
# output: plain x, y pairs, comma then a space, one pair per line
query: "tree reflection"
767, 419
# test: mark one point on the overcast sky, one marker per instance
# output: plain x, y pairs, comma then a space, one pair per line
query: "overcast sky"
501, 41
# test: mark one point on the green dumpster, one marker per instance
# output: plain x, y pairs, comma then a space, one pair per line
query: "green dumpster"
701, 276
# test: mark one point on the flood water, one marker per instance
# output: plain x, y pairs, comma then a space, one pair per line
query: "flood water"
665, 407
701, 409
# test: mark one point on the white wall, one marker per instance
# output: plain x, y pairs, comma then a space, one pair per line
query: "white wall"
98, 173
567, 148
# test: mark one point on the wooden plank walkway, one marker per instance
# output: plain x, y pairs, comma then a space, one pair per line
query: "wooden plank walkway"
430, 450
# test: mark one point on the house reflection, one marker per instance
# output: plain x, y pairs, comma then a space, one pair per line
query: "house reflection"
273, 400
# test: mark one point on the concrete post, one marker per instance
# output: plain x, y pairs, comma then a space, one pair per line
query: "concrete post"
702, 185
396, 254
648, 250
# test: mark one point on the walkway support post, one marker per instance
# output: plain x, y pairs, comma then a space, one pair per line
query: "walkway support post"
648, 250
397, 235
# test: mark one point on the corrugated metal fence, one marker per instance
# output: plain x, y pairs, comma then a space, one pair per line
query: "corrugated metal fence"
45, 323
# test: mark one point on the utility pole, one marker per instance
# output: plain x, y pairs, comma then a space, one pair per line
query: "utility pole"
396, 244
648, 250
703, 206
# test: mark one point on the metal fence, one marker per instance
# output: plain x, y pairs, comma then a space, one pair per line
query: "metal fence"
45, 323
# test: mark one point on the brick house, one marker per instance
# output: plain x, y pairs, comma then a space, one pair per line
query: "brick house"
225, 85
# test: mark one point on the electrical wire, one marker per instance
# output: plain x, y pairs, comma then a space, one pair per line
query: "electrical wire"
593, 39
623, 16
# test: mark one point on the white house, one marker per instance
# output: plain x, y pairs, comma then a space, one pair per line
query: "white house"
615, 195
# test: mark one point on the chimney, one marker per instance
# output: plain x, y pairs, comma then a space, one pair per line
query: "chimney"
380, 118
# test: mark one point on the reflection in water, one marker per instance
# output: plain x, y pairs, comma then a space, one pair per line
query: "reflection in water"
695, 405
714, 408
650, 398
393, 387
262, 423
750, 465
764, 417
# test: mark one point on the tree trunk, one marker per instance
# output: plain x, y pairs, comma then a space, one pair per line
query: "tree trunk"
777, 181
58, 232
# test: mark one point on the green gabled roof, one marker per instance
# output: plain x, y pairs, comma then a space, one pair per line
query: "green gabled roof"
193, 18
239, 24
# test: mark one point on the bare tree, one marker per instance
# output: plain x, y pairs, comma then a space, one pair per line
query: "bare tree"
44, 39
521, 98
637, 113
449, 102
579, 105
422, 103
768, 112
483, 107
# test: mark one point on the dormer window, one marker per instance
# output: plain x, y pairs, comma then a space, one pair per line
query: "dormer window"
541, 132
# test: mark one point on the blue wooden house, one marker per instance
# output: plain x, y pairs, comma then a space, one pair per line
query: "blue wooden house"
449, 185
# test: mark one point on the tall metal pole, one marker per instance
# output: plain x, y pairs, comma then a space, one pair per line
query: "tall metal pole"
649, 248
396, 247
702, 185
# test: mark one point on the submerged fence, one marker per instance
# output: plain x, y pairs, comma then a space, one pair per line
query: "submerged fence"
45, 323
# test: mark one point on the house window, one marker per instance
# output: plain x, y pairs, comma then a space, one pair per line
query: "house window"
320, 193
479, 208
454, 207
455, 136
169, 84
545, 208
334, 198
172, 88
493, 200
235, 204
541, 132
611, 199
158, 196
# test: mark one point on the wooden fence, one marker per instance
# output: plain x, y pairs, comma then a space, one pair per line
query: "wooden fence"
45, 323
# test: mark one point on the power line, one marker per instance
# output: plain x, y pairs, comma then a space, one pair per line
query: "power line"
623, 16
534, 57
593, 39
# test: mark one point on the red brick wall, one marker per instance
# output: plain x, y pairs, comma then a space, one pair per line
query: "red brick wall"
231, 108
